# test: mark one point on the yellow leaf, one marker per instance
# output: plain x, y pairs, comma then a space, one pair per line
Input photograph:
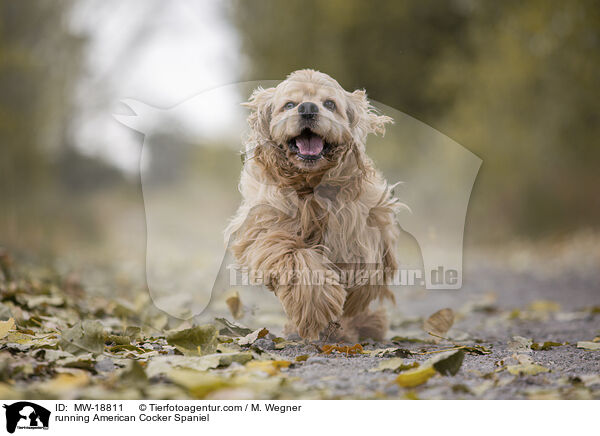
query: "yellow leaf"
198, 383
415, 377
66, 382
271, 367
20, 338
5, 326
526, 369
544, 306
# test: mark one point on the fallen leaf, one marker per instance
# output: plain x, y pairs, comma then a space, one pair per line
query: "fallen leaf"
133, 333
415, 377
302, 358
194, 341
230, 329
482, 388
587, 345
590, 379
235, 306
390, 352
395, 364
527, 369
544, 306
253, 337
83, 337
164, 364
545, 346
280, 343
44, 300
198, 383
135, 376
407, 339
440, 322
520, 343
271, 367
5, 326
126, 347
229, 358
476, 349
84, 361
65, 382
448, 363
346, 349
523, 359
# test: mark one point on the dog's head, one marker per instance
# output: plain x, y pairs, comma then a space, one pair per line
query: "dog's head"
308, 122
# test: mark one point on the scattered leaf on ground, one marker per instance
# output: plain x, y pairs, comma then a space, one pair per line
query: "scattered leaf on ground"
83, 337
587, 345
544, 306
390, 352
526, 369
230, 329
440, 322
346, 349
415, 377
519, 343
271, 367
5, 326
407, 339
448, 363
198, 383
395, 364
194, 341
253, 337
476, 349
235, 306
548, 345
65, 382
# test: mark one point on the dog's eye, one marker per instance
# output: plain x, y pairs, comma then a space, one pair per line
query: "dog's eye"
289, 105
329, 104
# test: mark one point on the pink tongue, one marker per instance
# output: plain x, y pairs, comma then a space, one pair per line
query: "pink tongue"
309, 145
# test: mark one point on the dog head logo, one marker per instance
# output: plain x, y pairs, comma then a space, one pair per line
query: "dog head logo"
436, 175
26, 415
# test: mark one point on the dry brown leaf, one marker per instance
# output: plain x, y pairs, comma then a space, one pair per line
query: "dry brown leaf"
235, 306
355, 349
440, 322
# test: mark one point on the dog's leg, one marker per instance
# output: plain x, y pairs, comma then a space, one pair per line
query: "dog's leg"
310, 301
289, 270
367, 324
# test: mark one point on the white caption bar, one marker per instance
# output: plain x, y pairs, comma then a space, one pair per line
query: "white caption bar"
297, 417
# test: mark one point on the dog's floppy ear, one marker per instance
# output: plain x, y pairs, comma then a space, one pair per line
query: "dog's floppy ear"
260, 103
363, 117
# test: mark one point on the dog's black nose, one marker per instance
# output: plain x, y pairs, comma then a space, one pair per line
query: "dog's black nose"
308, 110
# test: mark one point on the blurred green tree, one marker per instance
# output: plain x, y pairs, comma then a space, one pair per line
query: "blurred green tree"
40, 61
515, 82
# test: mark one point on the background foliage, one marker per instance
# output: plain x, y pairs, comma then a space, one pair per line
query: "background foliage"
514, 82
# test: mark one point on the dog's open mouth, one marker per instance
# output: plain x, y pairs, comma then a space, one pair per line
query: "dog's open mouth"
308, 145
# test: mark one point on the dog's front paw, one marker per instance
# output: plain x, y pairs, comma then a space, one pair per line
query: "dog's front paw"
312, 309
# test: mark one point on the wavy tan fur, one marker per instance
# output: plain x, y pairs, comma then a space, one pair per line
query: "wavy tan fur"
335, 216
